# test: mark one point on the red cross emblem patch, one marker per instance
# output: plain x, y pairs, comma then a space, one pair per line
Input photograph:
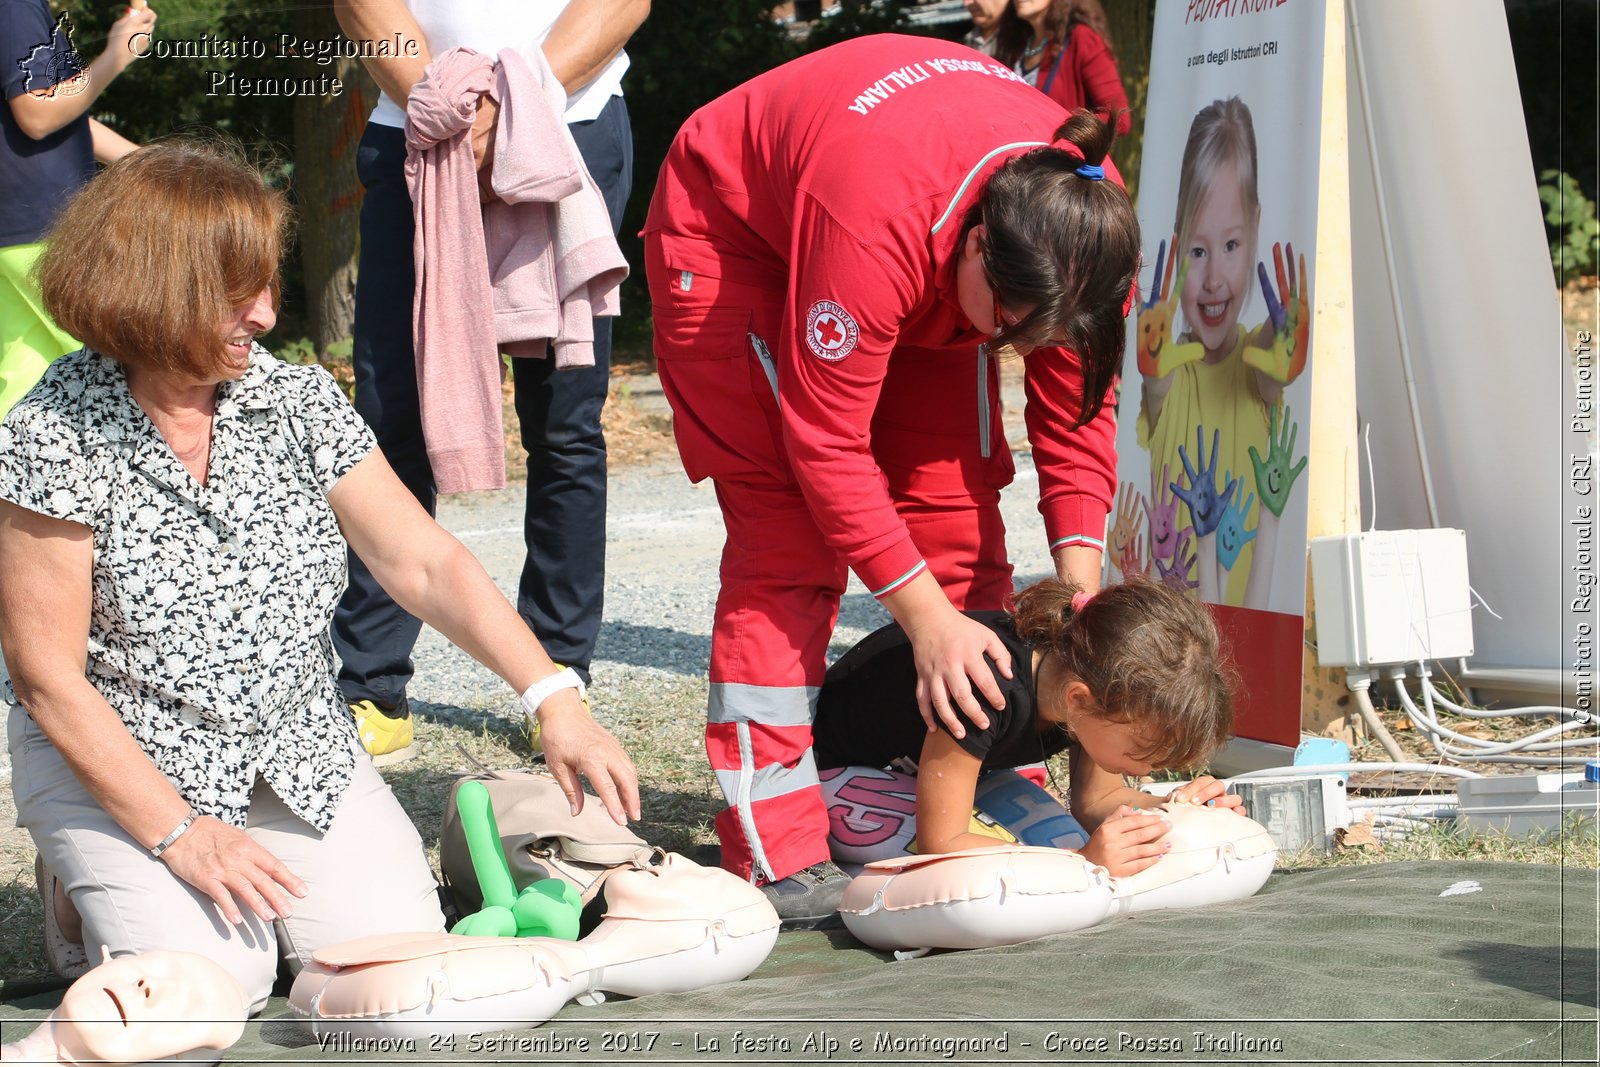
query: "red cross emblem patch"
831, 333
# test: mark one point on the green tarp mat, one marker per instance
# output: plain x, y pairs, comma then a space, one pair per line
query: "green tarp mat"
1436, 963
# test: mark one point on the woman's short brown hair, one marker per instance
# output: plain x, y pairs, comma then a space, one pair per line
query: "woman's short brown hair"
151, 256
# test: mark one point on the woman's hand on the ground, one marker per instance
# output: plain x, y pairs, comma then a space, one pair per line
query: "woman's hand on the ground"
950, 651
575, 744
229, 866
1207, 792
1128, 842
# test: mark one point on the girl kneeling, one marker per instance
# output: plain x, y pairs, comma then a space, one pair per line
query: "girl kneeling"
1127, 681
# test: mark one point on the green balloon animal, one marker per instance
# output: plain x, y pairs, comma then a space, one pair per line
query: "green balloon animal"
550, 907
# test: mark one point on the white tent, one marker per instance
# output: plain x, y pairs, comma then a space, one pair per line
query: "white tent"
1465, 383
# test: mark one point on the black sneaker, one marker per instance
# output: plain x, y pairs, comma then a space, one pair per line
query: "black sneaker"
807, 899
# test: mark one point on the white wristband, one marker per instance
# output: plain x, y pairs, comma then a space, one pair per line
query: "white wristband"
177, 832
539, 691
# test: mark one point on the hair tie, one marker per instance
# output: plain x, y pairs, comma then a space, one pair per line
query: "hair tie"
1080, 600
1093, 171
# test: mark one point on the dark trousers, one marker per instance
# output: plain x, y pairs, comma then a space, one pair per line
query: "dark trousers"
560, 592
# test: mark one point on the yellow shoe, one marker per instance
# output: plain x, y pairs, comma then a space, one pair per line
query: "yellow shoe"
385, 733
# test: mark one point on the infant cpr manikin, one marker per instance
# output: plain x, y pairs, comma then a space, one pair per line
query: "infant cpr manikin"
1009, 894
668, 928
134, 1009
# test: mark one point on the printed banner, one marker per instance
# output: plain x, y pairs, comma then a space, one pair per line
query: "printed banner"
1215, 391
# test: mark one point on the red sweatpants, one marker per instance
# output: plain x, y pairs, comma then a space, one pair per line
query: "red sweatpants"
780, 582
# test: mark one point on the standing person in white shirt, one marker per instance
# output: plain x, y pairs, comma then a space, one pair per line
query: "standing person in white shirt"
560, 592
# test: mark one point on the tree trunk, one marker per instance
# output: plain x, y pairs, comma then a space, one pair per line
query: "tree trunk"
327, 130
1132, 23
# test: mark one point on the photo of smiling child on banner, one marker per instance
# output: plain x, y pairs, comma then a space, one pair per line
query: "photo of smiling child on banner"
1213, 421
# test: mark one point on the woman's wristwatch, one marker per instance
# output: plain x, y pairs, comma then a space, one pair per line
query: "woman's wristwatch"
539, 691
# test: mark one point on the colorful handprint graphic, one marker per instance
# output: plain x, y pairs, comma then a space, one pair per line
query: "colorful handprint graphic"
1274, 475
1131, 561
1162, 511
1125, 531
1290, 316
1231, 534
1158, 355
1177, 573
1205, 504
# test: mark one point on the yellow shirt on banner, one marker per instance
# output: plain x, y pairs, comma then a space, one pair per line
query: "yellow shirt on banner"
1221, 396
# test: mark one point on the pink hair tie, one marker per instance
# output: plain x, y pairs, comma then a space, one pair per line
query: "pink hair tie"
1080, 600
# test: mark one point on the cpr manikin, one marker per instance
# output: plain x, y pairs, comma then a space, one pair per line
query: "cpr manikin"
134, 1009
668, 927
1014, 893
1217, 854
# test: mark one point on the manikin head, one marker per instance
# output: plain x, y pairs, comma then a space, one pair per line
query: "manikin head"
1219, 216
137, 1008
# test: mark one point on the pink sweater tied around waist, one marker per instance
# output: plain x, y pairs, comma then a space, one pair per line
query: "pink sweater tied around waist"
531, 267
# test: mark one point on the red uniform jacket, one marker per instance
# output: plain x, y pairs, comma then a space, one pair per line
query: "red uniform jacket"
841, 181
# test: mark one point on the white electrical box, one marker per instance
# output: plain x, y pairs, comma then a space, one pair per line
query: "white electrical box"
1297, 810
1389, 597
1526, 803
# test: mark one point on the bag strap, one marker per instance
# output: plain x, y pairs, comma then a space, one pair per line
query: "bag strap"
1055, 67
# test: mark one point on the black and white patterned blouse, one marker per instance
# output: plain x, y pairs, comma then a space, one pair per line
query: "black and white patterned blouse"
211, 603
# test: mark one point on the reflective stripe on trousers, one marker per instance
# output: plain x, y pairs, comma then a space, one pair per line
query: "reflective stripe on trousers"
758, 739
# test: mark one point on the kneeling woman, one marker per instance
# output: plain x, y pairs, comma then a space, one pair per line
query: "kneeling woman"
1127, 681
174, 510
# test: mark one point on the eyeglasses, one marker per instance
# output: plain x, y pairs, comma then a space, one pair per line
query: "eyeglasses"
1003, 320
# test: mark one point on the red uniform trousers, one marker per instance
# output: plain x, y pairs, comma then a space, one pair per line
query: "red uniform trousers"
938, 440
